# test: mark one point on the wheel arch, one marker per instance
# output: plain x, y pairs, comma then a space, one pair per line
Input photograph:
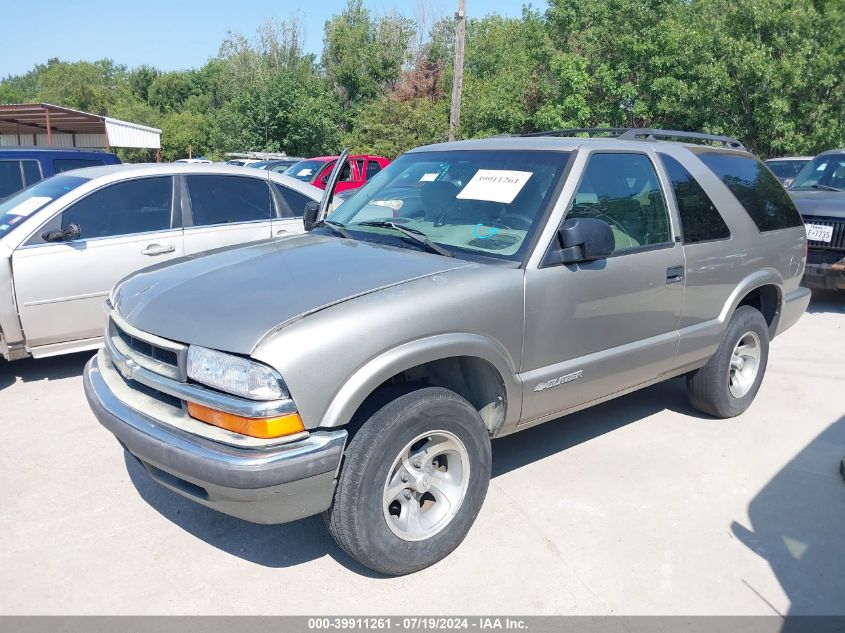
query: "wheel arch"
762, 290
476, 367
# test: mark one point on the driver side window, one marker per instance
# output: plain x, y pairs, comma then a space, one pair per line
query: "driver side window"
124, 208
623, 190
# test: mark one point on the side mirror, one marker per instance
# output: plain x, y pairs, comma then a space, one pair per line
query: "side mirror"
309, 217
584, 240
70, 232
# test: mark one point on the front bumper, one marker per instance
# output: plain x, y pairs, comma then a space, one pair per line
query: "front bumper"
825, 276
274, 484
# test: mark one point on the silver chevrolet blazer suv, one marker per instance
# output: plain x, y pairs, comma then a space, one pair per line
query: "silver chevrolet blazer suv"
470, 290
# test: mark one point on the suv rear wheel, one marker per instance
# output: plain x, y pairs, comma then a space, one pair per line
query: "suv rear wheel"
727, 384
412, 482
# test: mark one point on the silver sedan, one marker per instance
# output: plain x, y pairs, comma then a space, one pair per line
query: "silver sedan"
64, 242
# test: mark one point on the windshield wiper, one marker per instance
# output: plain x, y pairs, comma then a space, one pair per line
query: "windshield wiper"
336, 227
418, 236
825, 187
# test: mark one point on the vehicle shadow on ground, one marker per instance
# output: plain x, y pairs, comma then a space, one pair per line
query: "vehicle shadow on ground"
531, 445
827, 301
798, 525
284, 545
32, 370
305, 540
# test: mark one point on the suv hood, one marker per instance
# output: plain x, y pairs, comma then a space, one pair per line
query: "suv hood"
230, 299
829, 204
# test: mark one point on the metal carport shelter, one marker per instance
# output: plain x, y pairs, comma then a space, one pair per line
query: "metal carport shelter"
44, 124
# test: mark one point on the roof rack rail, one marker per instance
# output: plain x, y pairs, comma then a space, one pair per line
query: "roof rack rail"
652, 133
646, 133
571, 131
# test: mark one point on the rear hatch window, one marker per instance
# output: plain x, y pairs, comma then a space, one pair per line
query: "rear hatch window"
757, 190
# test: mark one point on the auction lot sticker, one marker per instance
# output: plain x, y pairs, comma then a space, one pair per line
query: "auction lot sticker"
495, 185
29, 206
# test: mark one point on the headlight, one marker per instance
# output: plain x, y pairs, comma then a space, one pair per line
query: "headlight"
234, 374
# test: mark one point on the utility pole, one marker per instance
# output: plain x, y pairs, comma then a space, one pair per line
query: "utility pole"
458, 83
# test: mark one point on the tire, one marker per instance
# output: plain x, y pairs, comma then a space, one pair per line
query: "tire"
393, 538
723, 387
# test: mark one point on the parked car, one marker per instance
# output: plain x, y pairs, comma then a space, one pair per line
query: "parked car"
243, 162
197, 160
65, 241
279, 165
819, 193
785, 169
357, 170
21, 167
539, 276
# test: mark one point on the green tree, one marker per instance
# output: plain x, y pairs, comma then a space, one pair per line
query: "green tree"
181, 131
389, 126
503, 74
169, 91
364, 57
140, 79
88, 86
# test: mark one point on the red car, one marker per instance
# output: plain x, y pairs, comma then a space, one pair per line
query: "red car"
358, 170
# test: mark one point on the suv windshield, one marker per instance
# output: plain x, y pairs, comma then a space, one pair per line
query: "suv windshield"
305, 170
826, 172
16, 209
470, 202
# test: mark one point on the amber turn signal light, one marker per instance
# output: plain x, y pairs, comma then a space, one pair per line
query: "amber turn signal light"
265, 428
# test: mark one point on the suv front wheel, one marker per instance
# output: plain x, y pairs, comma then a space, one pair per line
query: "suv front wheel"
412, 482
727, 384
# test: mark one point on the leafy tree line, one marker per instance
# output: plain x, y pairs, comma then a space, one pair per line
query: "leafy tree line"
769, 72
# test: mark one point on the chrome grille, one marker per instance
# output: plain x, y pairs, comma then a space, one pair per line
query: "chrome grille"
148, 349
166, 358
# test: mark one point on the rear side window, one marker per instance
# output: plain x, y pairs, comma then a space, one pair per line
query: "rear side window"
623, 190
124, 208
758, 191
16, 175
11, 177
31, 172
228, 199
786, 168
296, 201
66, 164
699, 217
345, 172
372, 169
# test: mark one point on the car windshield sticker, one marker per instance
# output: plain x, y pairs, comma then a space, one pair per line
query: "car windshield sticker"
428, 177
29, 205
304, 172
495, 185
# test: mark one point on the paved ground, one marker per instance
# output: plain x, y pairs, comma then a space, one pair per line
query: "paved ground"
637, 506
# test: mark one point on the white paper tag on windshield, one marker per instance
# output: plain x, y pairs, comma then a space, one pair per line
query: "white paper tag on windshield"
428, 177
495, 185
29, 206
304, 172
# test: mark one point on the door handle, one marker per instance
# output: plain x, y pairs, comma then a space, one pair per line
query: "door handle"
674, 274
282, 232
158, 249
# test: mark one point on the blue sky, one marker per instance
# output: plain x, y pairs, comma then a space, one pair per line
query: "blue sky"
175, 34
